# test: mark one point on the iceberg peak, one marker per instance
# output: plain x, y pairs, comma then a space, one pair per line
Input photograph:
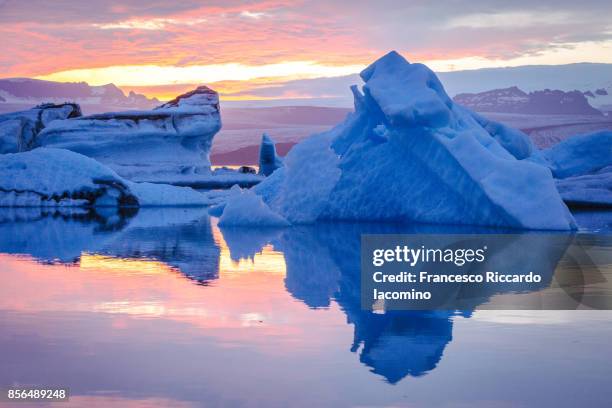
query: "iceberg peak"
201, 97
387, 61
406, 93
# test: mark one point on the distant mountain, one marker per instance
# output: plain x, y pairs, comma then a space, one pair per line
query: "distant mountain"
283, 115
23, 93
529, 78
246, 155
601, 98
243, 128
514, 100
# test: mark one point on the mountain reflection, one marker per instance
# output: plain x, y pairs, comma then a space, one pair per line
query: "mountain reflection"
322, 265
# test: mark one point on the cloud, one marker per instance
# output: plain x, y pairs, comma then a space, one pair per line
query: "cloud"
100, 11
149, 24
43, 37
250, 14
513, 19
149, 75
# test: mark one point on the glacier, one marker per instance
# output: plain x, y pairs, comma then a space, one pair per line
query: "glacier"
18, 130
57, 178
408, 153
166, 144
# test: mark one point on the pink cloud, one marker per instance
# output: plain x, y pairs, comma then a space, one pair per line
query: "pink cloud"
40, 38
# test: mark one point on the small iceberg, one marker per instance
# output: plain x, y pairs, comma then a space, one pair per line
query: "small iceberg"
578, 155
582, 167
268, 158
589, 190
169, 143
248, 209
47, 177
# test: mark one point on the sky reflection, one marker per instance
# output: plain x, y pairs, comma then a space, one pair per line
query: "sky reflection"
169, 310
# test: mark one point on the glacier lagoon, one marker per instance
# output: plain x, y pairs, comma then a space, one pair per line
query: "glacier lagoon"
166, 308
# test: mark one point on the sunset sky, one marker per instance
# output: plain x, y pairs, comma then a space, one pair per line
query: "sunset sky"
161, 47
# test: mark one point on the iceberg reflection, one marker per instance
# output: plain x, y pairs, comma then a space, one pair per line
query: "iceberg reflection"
323, 264
319, 266
180, 238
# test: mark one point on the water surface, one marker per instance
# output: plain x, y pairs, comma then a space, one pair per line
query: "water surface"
166, 309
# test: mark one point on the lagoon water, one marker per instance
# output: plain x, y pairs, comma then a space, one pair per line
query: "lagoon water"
165, 309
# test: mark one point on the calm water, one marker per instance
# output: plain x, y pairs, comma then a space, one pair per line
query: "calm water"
166, 309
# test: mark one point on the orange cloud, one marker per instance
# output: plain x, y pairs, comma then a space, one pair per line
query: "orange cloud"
169, 91
40, 38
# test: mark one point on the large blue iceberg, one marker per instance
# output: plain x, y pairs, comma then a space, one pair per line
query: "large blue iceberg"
409, 154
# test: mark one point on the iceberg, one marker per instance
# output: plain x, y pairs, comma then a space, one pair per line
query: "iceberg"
578, 155
162, 144
162, 195
408, 153
55, 178
589, 190
249, 210
18, 130
268, 159
582, 165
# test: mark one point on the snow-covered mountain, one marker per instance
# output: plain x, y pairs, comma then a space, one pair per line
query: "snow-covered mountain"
514, 100
23, 93
601, 98
331, 92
